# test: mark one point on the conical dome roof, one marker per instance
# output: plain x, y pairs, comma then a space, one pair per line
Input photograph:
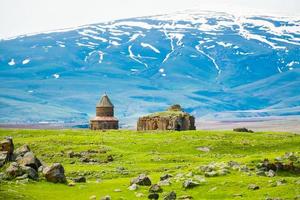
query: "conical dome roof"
105, 102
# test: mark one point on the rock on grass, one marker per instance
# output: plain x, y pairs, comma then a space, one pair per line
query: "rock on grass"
142, 179
55, 173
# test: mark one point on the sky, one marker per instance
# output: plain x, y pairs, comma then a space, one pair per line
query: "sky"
18, 17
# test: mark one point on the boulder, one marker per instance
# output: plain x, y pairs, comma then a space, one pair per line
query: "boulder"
170, 196
55, 173
21, 151
31, 173
7, 146
29, 160
165, 176
142, 179
155, 188
14, 170
3, 157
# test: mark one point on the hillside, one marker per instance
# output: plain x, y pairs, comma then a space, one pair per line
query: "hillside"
216, 65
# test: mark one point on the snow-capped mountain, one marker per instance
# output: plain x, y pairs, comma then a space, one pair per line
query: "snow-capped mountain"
215, 65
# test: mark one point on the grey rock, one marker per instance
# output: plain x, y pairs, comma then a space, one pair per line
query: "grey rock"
30, 160
142, 179
211, 174
133, 187
107, 197
3, 158
170, 196
165, 176
55, 173
153, 196
14, 170
204, 149
253, 187
187, 184
80, 179
21, 151
166, 182
185, 197
155, 188
32, 173
270, 173
7, 145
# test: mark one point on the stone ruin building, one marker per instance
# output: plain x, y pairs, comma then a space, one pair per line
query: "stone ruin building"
174, 118
104, 115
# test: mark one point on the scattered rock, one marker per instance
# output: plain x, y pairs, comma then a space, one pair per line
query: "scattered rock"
32, 173
204, 149
21, 151
270, 173
211, 174
253, 187
164, 182
142, 179
243, 130
185, 197
273, 198
165, 176
3, 157
153, 196
155, 188
109, 158
107, 197
170, 196
133, 187
55, 173
14, 170
80, 179
30, 160
72, 154
187, 184
7, 146
24, 176
71, 184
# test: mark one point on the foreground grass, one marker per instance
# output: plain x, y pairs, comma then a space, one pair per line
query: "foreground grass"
154, 153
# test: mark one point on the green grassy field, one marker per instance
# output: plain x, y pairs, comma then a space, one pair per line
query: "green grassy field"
154, 153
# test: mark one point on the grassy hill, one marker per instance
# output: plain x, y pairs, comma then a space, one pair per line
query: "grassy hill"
122, 155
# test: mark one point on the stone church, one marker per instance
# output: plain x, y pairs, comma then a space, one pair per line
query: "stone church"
174, 118
104, 115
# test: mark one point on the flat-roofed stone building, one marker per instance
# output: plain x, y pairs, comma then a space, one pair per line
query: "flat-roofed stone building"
104, 115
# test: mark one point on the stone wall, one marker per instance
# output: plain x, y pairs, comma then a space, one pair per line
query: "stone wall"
179, 123
101, 125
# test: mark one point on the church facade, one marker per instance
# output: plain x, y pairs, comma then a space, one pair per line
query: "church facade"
104, 116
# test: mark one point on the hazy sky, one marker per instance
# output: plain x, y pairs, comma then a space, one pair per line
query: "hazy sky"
29, 16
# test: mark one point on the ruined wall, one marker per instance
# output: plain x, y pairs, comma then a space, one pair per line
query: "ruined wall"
179, 123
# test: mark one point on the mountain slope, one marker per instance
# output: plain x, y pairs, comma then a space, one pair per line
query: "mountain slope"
209, 62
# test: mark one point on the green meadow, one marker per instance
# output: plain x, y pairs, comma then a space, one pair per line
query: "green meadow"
155, 153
